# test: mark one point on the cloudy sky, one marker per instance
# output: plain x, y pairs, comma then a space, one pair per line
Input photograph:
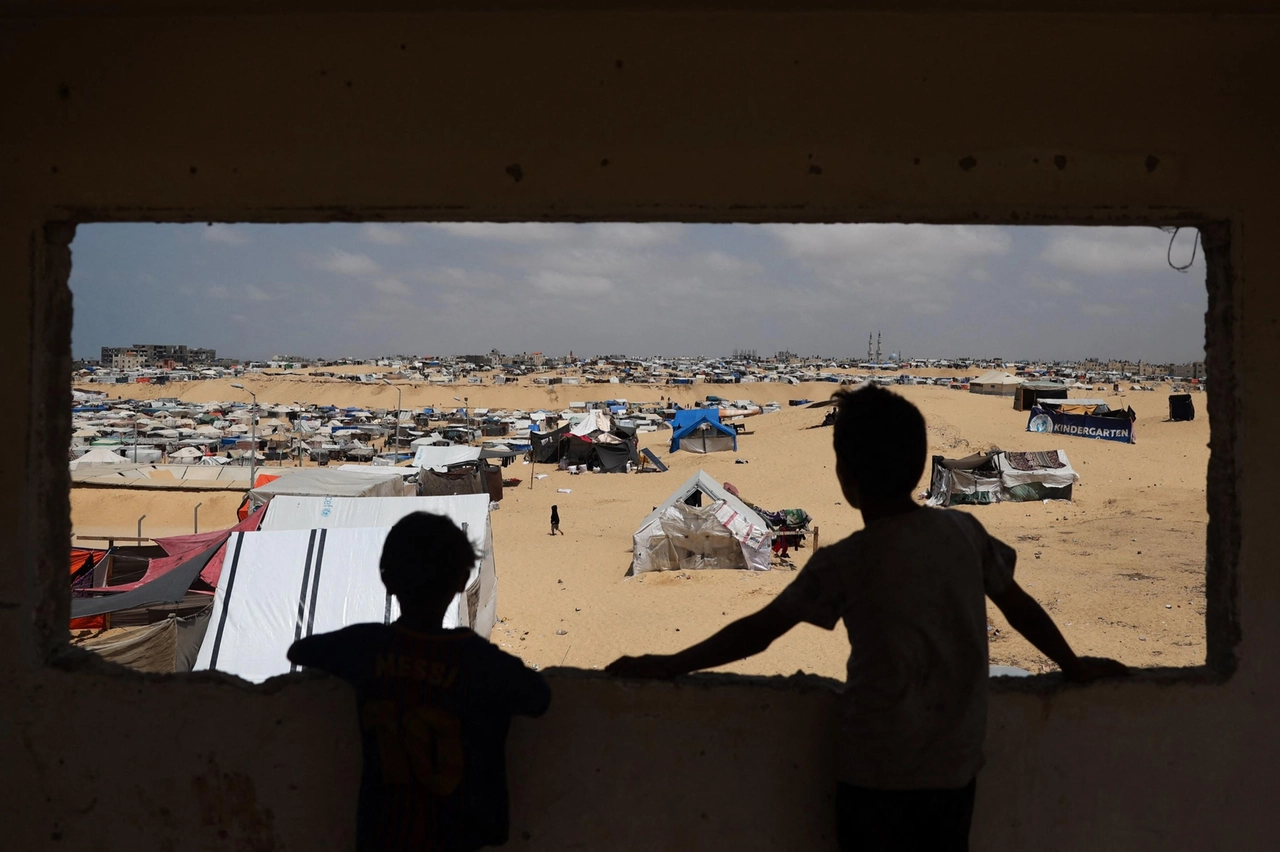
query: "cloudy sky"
252, 291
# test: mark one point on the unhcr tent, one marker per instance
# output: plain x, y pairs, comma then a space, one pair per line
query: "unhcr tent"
314, 568
701, 525
995, 383
1001, 477
699, 430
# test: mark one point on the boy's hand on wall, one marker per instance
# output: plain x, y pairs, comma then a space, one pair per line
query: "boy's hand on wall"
655, 666
1092, 668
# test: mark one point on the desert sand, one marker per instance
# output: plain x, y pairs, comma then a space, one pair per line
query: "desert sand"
1121, 569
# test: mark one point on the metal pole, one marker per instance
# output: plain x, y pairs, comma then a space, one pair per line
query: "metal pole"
399, 408
195, 524
252, 450
140, 526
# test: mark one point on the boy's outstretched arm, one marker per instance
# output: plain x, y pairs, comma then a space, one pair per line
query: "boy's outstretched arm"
743, 638
1029, 618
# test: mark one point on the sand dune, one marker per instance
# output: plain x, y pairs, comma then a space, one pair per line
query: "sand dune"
1121, 569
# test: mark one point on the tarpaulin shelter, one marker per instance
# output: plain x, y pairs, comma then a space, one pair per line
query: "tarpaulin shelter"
1026, 394
314, 568
1181, 407
167, 579
320, 482
701, 525
1001, 476
547, 447
699, 430
1104, 425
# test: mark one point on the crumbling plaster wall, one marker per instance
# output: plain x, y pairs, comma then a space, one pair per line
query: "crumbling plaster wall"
565, 114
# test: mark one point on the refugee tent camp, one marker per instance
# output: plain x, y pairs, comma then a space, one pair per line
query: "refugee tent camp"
1000, 476
701, 525
313, 568
995, 383
699, 430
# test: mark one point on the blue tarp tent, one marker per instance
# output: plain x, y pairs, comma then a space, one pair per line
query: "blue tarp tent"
699, 430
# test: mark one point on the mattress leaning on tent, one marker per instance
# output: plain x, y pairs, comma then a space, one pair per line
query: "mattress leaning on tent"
1000, 477
313, 568
701, 525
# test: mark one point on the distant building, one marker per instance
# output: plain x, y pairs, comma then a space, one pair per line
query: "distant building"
157, 354
127, 359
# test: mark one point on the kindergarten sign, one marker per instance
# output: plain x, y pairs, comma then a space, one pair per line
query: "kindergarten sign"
1081, 425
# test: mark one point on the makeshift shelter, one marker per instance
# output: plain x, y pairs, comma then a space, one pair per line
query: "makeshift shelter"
1181, 407
1084, 421
314, 568
1026, 394
1000, 477
701, 525
316, 482
995, 383
548, 447
699, 430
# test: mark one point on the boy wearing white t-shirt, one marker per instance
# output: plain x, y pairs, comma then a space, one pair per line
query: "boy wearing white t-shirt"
910, 589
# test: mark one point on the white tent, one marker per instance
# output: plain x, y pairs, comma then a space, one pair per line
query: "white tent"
98, 457
186, 453
329, 482
313, 568
996, 383
721, 532
440, 458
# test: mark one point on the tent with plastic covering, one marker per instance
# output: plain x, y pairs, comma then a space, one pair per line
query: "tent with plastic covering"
313, 568
699, 430
701, 525
1001, 477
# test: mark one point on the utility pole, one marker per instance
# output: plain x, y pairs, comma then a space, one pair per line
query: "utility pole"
253, 426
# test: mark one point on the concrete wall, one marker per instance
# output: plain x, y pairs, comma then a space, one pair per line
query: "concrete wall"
562, 114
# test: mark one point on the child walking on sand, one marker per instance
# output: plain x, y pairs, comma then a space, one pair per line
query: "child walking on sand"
910, 589
555, 520
434, 704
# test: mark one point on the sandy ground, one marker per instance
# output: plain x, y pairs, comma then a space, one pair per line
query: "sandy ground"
1121, 569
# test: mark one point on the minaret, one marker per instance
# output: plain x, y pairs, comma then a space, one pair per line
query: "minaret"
868, 346
877, 347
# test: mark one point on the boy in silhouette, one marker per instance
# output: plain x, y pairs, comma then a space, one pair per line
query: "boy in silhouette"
555, 520
909, 587
434, 703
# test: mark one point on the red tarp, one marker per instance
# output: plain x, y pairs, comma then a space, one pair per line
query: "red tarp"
180, 548
83, 558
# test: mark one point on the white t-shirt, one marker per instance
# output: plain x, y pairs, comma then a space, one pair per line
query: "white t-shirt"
911, 591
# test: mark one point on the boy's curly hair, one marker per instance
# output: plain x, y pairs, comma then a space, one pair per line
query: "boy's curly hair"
880, 440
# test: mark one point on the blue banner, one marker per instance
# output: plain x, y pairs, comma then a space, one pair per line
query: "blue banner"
1081, 425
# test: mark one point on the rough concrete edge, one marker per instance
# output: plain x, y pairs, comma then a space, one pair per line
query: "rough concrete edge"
1222, 621
1222, 553
48, 485
658, 211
